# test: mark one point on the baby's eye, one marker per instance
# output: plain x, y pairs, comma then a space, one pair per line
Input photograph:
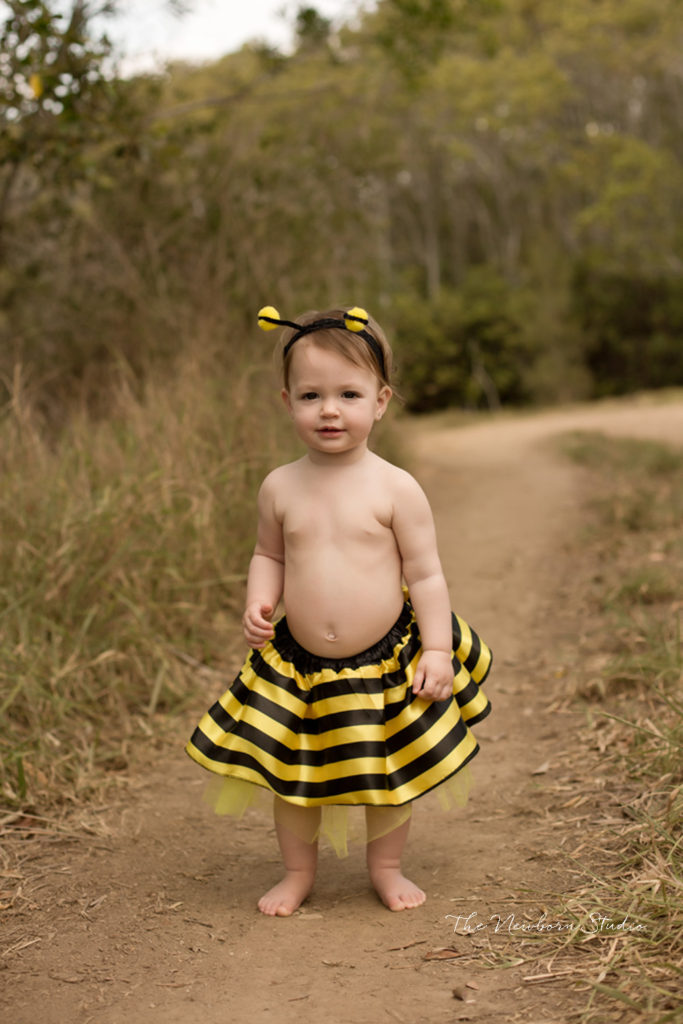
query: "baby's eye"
350, 394
308, 396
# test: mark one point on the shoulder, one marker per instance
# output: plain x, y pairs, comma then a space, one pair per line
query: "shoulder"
398, 481
279, 478
410, 508
276, 486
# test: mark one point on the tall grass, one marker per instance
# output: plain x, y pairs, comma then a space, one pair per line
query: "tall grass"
635, 720
123, 550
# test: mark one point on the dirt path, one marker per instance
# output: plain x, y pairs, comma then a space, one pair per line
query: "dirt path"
151, 918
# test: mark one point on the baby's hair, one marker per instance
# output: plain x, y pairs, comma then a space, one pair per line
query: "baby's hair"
347, 343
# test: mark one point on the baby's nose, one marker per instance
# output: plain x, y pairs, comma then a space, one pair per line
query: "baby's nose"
330, 407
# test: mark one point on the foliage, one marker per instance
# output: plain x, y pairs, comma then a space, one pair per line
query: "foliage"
462, 349
635, 730
311, 28
633, 324
53, 95
496, 180
125, 548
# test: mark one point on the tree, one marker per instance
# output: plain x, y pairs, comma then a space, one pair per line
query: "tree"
53, 96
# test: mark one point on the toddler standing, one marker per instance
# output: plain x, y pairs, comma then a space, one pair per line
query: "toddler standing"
361, 692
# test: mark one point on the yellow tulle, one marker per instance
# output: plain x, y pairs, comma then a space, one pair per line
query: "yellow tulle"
339, 825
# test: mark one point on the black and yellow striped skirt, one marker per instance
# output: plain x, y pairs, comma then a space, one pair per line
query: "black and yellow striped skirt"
320, 731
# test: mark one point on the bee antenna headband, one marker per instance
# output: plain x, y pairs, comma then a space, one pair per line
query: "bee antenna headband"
356, 320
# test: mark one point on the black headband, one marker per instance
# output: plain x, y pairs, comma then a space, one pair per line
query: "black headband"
353, 321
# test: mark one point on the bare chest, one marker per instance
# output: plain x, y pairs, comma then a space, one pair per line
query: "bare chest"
339, 519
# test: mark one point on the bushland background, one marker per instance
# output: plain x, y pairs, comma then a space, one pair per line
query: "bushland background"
498, 181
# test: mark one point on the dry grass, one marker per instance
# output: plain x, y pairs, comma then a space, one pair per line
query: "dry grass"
124, 548
622, 943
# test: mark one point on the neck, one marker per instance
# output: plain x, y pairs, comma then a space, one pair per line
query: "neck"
333, 459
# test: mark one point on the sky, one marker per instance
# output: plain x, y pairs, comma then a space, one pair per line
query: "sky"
148, 34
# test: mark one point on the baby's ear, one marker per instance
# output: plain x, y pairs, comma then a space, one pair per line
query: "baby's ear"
383, 398
287, 400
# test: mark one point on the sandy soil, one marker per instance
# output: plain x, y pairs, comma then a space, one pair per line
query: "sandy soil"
151, 917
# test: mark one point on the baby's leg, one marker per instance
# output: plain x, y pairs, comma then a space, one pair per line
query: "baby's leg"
297, 834
384, 859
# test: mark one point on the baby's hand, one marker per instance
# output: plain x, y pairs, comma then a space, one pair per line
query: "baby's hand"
434, 676
256, 624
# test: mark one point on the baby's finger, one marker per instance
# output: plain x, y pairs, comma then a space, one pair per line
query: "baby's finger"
257, 621
428, 689
258, 616
257, 639
261, 628
440, 691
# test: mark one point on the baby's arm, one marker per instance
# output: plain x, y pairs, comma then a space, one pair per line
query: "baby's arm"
415, 534
266, 570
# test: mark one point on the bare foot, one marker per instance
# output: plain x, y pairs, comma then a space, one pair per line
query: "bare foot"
395, 890
288, 895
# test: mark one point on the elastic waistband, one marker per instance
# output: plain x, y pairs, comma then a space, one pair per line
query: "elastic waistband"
306, 662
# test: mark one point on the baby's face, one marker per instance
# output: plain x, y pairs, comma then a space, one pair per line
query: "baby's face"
333, 403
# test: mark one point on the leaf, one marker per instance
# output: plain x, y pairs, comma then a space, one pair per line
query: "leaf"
442, 953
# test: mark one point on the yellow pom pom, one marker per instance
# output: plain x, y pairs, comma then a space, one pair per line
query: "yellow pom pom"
269, 311
356, 319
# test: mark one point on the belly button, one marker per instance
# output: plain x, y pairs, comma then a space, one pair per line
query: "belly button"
330, 636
